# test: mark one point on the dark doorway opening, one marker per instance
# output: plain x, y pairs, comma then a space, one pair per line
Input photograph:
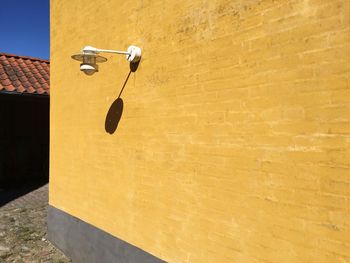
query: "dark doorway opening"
24, 140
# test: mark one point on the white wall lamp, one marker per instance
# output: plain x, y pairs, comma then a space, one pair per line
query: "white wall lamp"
89, 56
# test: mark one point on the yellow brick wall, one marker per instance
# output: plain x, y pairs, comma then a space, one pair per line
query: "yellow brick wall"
234, 141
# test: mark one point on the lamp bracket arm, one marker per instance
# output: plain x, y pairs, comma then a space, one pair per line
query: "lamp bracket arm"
113, 51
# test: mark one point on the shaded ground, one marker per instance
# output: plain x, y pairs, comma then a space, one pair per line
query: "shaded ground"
23, 227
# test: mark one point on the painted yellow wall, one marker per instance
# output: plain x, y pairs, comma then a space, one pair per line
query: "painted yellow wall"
234, 140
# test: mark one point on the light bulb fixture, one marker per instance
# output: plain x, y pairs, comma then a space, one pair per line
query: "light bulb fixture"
89, 57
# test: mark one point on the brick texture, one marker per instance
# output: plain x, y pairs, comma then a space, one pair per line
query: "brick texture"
233, 145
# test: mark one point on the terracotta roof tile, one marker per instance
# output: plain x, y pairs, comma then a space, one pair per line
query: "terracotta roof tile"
16, 83
20, 89
10, 88
40, 90
3, 76
26, 84
24, 74
31, 90
5, 82
41, 80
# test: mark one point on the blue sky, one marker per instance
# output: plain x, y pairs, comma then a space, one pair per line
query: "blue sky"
25, 27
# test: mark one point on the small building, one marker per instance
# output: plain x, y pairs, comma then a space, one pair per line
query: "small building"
24, 120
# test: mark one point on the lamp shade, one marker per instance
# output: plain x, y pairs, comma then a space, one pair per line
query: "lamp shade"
89, 58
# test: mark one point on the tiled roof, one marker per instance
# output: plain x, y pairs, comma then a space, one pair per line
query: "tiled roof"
20, 74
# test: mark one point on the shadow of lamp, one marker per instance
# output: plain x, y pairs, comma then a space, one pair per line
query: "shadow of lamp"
89, 57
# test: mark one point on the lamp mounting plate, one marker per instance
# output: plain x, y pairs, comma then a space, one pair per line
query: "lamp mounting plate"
134, 54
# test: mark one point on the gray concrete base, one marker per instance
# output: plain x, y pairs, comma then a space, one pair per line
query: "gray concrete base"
84, 243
